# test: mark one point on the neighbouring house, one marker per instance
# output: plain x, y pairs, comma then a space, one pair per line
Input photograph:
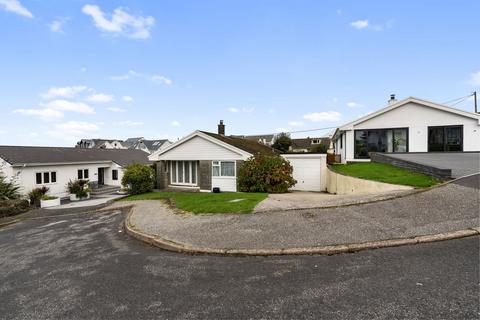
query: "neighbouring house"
204, 160
140, 143
54, 167
409, 125
266, 139
309, 144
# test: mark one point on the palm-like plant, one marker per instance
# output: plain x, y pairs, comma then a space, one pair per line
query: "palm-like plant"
8, 190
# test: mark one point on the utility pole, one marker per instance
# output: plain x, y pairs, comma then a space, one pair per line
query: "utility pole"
475, 101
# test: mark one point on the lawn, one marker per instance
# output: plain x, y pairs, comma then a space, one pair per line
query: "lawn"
385, 173
199, 202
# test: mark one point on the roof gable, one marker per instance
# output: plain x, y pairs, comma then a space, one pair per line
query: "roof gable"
399, 104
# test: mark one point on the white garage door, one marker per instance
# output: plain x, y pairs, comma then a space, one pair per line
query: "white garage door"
307, 171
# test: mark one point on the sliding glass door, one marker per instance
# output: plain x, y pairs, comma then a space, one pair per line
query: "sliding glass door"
183, 172
445, 138
380, 140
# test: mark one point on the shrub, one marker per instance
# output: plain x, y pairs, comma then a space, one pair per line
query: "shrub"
282, 142
321, 148
36, 194
8, 190
138, 179
13, 207
79, 188
45, 197
263, 173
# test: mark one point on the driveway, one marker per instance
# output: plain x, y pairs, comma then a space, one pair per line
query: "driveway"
461, 164
84, 267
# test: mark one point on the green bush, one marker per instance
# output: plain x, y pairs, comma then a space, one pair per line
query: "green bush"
138, 179
79, 188
36, 194
8, 190
282, 142
13, 207
263, 173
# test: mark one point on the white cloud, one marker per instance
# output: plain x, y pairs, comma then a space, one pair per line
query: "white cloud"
100, 97
360, 24
354, 105
16, 7
120, 77
129, 123
44, 114
296, 124
120, 22
236, 110
57, 25
73, 130
127, 99
115, 109
475, 79
162, 79
175, 123
63, 92
64, 105
323, 116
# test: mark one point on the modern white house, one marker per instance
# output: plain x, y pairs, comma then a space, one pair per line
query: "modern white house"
54, 167
205, 160
409, 125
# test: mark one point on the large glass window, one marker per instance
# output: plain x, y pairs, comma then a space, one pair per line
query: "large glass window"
223, 169
380, 140
183, 172
445, 138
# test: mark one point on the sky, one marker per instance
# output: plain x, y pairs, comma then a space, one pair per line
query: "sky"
162, 69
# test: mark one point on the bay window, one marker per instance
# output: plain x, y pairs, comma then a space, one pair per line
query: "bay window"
183, 172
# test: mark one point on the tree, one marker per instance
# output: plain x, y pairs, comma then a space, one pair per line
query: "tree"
138, 178
282, 142
8, 190
262, 173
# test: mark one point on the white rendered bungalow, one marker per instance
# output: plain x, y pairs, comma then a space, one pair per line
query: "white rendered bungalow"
204, 160
409, 125
54, 167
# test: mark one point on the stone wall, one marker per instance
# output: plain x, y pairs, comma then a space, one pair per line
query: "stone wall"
442, 174
205, 175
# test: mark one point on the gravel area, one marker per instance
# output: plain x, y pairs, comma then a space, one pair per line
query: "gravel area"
452, 207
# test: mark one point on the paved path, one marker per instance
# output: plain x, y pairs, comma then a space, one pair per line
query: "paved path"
461, 164
83, 267
452, 207
94, 201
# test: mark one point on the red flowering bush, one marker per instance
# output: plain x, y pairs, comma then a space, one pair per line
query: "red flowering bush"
262, 173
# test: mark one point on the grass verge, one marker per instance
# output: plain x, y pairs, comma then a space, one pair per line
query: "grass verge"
385, 173
199, 202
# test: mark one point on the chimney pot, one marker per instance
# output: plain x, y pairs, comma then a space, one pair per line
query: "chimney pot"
221, 128
392, 99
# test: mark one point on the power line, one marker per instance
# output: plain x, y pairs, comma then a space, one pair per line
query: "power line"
461, 98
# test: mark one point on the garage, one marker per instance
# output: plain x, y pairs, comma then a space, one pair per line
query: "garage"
309, 170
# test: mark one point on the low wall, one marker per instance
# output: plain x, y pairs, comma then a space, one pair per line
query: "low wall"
439, 173
341, 184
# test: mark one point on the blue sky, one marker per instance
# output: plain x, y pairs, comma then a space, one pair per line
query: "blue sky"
161, 69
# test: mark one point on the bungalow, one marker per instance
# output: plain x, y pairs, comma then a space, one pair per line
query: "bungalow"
54, 167
204, 160
409, 125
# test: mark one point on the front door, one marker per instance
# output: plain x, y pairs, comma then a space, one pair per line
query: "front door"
445, 138
101, 176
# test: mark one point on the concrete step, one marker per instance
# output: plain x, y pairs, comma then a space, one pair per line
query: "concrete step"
105, 190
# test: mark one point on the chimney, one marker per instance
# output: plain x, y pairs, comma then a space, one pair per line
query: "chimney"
392, 99
221, 128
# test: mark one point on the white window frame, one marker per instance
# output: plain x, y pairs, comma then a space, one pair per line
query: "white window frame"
49, 177
219, 165
182, 162
316, 141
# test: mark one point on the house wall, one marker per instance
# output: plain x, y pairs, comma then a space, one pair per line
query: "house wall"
26, 177
417, 118
6, 169
199, 148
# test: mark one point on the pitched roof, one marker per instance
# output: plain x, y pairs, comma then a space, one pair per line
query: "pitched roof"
247, 145
19, 155
305, 143
154, 144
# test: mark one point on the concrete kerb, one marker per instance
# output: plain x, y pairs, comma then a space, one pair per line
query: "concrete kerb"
170, 245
